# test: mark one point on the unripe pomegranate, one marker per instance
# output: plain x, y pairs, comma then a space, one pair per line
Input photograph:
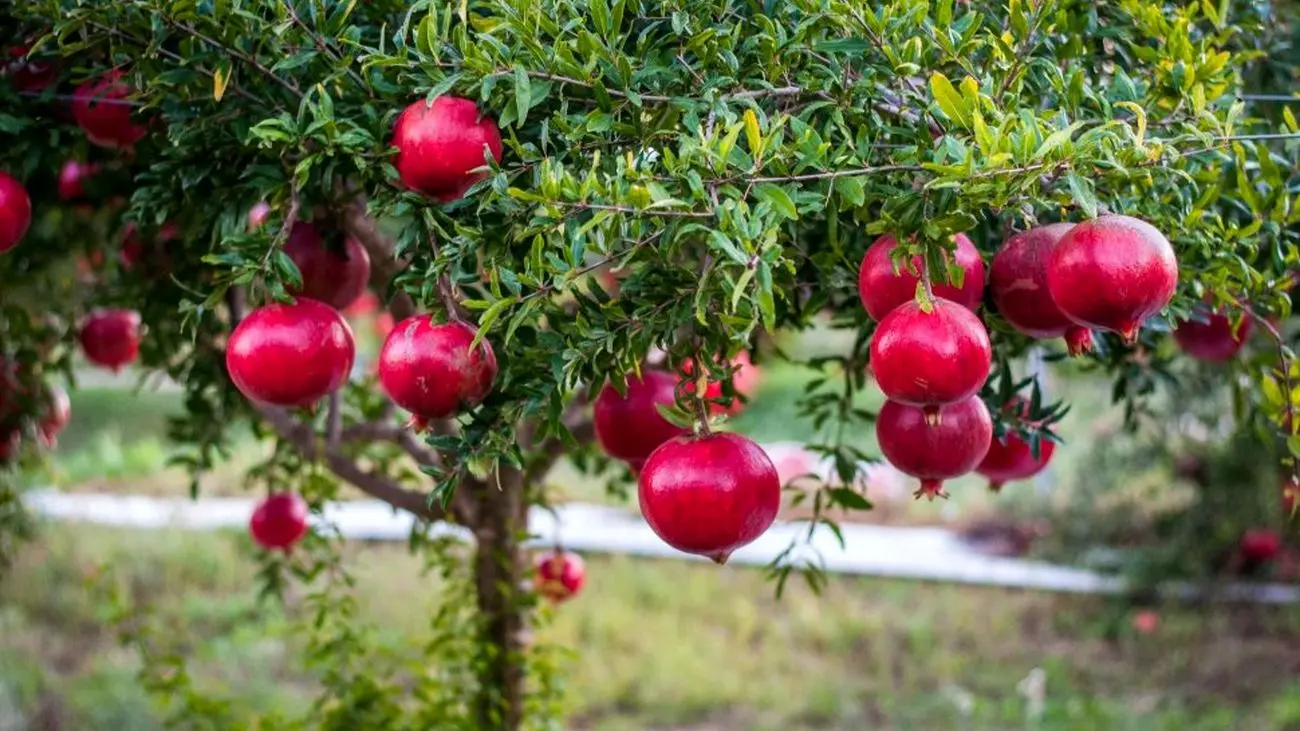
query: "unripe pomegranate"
1112, 273
560, 575
58, 413
1260, 545
882, 288
438, 146
15, 212
630, 427
104, 114
279, 521
258, 214
335, 275
430, 371
290, 354
1214, 340
934, 452
1018, 281
744, 379
111, 338
709, 495
930, 358
1011, 458
72, 178
30, 75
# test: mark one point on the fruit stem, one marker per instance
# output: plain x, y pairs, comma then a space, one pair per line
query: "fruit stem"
702, 416
925, 281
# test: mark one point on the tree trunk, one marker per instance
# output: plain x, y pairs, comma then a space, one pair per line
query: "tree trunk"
501, 517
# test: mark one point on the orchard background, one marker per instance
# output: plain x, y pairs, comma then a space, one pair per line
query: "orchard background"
606, 220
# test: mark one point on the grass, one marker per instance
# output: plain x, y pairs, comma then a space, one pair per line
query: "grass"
666, 645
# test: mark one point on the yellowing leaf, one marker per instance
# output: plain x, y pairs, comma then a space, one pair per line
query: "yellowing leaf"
752, 133
952, 104
1141, 115
1289, 120
220, 78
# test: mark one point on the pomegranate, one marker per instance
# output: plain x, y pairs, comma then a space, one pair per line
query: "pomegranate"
882, 288
438, 146
1260, 545
58, 413
1146, 621
279, 521
258, 214
560, 575
430, 371
744, 379
1011, 458
290, 354
934, 452
15, 212
1112, 273
334, 274
630, 427
103, 112
1018, 281
930, 358
709, 495
111, 338
28, 74
72, 179
1214, 339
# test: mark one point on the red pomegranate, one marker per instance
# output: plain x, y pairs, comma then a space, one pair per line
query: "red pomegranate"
1018, 281
30, 75
335, 273
560, 575
1112, 273
1260, 545
103, 111
72, 179
430, 371
438, 146
709, 495
258, 214
1011, 458
279, 521
930, 358
1146, 621
882, 288
934, 452
1213, 339
111, 338
744, 379
57, 414
630, 427
15, 212
291, 354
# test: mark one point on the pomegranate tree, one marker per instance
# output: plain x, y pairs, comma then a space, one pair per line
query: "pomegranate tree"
432, 371
559, 575
15, 212
335, 273
930, 355
279, 522
1018, 282
290, 354
883, 287
440, 145
111, 338
934, 451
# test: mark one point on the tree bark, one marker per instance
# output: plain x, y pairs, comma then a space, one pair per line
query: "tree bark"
499, 530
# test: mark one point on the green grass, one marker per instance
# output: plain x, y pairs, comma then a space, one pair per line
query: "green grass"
667, 645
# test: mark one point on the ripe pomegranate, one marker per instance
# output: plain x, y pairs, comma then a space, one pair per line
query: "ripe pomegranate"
1112, 273
930, 359
709, 495
560, 575
102, 111
58, 413
882, 289
15, 212
438, 146
72, 178
1213, 340
1018, 281
28, 74
258, 214
744, 379
934, 452
291, 354
430, 371
1260, 545
334, 274
630, 427
1011, 458
111, 338
279, 521
1146, 621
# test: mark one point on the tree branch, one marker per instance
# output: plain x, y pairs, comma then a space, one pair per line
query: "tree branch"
580, 426
383, 255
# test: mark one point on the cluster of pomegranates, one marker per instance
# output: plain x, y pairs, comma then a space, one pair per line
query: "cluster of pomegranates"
931, 354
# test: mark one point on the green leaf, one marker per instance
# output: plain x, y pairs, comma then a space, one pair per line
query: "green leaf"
852, 188
950, 101
1081, 190
490, 316
776, 196
720, 242
523, 94
848, 498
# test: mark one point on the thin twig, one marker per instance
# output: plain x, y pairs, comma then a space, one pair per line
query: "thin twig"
324, 47
236, 54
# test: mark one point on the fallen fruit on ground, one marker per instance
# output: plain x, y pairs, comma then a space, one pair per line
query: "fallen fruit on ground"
290, 354
279, 521
104, 112
560, 575
1112, 273
930, 358
111, 338
15, 212
882, 288
630, 427
1018, 282
934, 452
430, 370
438, 146
1212, 338
709, 495
1011, 457
334, 272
